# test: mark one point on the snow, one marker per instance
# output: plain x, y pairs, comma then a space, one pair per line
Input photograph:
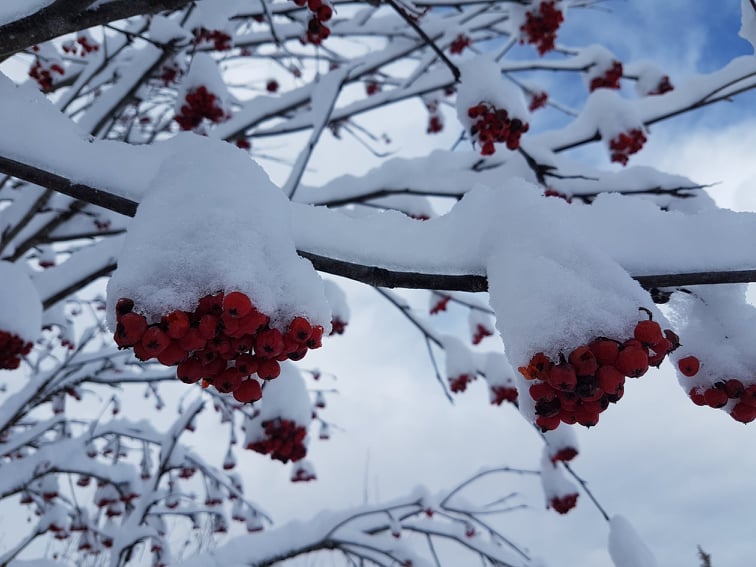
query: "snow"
186, 242
748, 22
12, 10
20, 306
626, 547
482, 82
164, 30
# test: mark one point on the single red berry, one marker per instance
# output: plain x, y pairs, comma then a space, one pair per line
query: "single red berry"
743, 412
543, 391
130, 329
172, 354
300, 329
237, 304
715, 397
269, 343
605, 351
648, 332
248, 391
749, 395
734, 388
563, 377
123, 306
268, 369
155, 341
584, 361
176, 324
689, 365
192, 340
315, 339
324, 13
208, 326
547, 423
228, 380
632, 362
247, 364
610, 380
190, 370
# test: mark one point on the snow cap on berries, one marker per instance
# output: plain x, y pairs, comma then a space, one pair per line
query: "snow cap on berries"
482, 82
20, 305
626, 548
213, 221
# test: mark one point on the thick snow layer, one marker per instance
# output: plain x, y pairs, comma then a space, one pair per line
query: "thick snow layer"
553, 479
11, 10
20, 306
164, 30
482, 82
210, 225
459, 358
626, 547
286, 397
337, 300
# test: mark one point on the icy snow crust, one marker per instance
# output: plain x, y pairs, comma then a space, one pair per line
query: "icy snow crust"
209, 225
20, 306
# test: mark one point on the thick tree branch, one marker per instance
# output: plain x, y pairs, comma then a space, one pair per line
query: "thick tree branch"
68, 16
371, 275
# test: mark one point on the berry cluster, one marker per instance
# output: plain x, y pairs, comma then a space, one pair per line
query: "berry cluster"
221, 40
82, 46
372, 87
42, 72
609, 80
549, 192
458, 45
538, 100
493, 125
284, 440
12, 348
541, 26
169, 74
435, 119
664, 86
563, 504
481, 332
439, 302
501, 394
216, 342
581, 386
200, 103
338, 326
317, 31
459, 383
626, 144
719, 394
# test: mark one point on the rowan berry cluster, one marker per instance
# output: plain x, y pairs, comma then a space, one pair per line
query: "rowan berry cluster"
224, 342
626, 144
337, 326
284, 440
494, 125
609, 80
459, 383
439, 303
317, 31
42, 72
169, 74
458, 45
577, 388
563, 504
200, 103
12, 348
538, 100
541, 26
501, 394
664, 86
481, 332
221, 40
372, 87
719, 394
435, 124
82, 46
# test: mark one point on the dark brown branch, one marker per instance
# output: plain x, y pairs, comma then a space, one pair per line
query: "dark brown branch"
68, 16
371, 275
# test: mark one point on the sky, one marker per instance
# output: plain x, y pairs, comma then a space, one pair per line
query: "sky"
683, 475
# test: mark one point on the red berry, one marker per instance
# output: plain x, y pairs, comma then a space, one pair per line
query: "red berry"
610, 380
734, 388
248, 391
563, 377
268, 369
605, 351
208, 326
269, 343
300, 329
749, 395
584, 361
689, 365
315, 339
543, 391
172, 354
228, 380
192, 340
547, 423
697, 397
176, 324
247, 364
632, 362
123, 306
237, 304
648, 332
154, 341
715, 398
130, 329
190, 370
743, 412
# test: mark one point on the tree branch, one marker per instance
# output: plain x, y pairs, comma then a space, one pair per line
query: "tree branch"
68, 16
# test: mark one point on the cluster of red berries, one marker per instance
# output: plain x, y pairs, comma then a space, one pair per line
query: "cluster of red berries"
216, 342
284, 440
169, 74
626, 144
581, 386
609, 80
372, 87
200, 103
719, 394
664, 86
221, 40
458, 45
337, 326
81, 46
549, 192
501, 394
538, 100
317, 31
440, 303
541, 26
435, 124
42, 72
481, 332
12, 348
563, 504
493, 125
459, 383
